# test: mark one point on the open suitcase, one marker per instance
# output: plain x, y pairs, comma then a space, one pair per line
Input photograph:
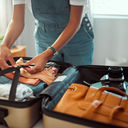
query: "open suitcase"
21, 114
84, 75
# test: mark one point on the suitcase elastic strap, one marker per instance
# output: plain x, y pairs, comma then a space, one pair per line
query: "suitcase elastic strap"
12, 94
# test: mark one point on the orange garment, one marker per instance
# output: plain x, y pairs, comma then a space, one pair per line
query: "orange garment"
48, 75
23, 79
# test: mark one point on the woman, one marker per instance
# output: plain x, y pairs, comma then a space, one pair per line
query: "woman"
61, 26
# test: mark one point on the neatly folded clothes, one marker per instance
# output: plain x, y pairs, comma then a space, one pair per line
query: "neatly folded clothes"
24, 79
36, 89
25, 88
47, 75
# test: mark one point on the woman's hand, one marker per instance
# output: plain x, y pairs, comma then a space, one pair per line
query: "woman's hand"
5, 55
39, 61
13, 31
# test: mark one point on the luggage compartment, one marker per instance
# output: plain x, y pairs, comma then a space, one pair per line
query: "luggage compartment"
23, 114
88, 75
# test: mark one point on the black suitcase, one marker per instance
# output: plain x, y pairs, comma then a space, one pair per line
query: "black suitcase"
84, 75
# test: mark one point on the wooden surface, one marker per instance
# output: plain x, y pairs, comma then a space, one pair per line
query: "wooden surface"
18, 51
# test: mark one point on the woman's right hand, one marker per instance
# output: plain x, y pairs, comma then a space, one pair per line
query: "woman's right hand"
14, 29
5, 55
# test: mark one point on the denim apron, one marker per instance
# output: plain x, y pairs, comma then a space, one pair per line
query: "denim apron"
52, 16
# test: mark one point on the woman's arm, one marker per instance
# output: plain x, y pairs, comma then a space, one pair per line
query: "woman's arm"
70, 30
72, 27
13, 31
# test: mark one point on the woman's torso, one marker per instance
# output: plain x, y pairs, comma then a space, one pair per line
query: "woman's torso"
84, 3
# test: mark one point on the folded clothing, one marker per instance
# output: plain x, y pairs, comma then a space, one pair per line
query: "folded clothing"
48, 74
23, 79
22, 92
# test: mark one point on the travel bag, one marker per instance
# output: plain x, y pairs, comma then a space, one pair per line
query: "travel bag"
21, 113
95, 104
90, 75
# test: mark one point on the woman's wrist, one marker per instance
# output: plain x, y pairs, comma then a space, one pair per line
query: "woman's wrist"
3, 45
48, 54
53, 50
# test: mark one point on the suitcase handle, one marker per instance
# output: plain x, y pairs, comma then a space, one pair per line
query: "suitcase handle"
15, 80
3, 114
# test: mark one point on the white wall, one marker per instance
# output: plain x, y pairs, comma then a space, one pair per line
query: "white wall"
111, 38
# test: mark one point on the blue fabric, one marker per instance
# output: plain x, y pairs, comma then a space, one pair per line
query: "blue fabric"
36, 89
59, 86
126, 84
52, 17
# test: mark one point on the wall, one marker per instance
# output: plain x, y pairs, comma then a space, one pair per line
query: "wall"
111, 38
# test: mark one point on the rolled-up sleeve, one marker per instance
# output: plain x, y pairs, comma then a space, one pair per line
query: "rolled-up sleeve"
15, 2
78, 2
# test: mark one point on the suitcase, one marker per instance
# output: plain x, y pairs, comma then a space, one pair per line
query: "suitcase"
17, 114
88, 75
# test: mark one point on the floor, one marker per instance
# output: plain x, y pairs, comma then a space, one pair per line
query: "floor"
39, 124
